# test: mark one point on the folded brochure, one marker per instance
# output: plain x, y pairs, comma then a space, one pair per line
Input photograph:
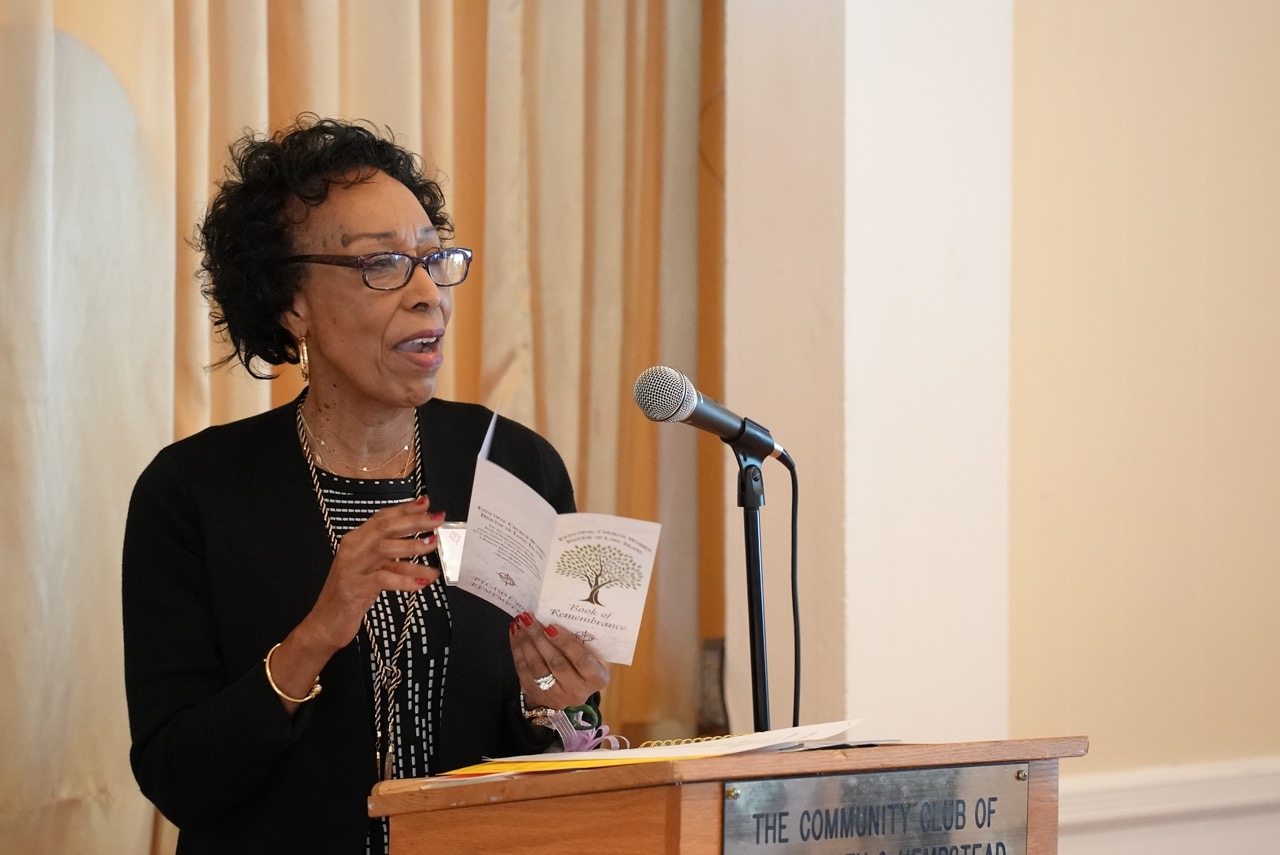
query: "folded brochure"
587, 573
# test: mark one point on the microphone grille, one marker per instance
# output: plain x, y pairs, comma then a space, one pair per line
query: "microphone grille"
664, 394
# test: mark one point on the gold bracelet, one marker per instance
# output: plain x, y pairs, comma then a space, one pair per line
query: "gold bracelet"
315, 690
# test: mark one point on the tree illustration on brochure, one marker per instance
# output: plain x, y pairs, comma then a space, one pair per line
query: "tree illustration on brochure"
600, 566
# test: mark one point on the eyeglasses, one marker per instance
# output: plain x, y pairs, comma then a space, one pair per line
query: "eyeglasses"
389, 271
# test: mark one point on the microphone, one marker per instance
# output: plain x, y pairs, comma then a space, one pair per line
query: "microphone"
666, 395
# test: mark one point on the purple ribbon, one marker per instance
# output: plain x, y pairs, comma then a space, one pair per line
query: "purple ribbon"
586, 738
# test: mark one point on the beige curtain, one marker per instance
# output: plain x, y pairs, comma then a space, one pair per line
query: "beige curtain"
566, 134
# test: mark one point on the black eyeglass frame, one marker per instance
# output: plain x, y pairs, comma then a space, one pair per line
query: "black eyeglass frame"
362, 263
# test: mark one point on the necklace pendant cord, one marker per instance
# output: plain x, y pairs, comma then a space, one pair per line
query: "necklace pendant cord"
386, 675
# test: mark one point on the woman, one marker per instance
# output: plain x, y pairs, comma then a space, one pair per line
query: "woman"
287, 643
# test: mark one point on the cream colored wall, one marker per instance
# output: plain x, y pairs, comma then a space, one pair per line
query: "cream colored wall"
1145, 487
783, 363
1143, 423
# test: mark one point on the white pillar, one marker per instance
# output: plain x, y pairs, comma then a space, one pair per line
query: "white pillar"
928, 142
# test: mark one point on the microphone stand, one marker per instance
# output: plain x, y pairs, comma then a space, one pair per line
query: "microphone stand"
750, 448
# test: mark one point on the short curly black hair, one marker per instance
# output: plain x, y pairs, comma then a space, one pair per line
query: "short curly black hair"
246, 235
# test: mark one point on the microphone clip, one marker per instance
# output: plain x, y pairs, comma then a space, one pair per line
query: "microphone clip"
753, 444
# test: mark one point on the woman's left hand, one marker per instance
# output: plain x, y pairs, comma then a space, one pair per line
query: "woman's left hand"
555, 658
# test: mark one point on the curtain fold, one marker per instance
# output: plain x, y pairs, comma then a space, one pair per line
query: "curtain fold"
564, 137
86, 236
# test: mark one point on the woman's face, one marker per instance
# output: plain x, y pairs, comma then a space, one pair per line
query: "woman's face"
368, 348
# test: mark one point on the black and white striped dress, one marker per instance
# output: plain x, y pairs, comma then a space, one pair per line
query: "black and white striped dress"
416, 709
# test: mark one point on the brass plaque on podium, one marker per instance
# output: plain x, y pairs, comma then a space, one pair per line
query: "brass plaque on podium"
969, 810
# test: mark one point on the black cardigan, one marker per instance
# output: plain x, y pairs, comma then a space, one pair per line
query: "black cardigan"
225, 552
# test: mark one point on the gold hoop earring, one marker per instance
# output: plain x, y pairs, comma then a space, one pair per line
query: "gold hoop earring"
303, 362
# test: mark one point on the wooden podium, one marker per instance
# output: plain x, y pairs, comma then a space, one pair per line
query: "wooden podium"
679, 806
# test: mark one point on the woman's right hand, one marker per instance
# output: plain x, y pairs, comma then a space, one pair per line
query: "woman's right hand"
375, 556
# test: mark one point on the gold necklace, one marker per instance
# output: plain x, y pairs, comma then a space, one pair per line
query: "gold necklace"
386, 673
333, 455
